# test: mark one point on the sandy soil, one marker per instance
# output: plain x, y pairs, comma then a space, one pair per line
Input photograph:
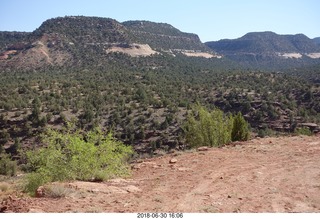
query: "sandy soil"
199, 54
291, 55
313, 55
262, 175
134, 50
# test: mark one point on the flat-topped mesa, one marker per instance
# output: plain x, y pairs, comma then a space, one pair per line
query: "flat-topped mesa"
268, 44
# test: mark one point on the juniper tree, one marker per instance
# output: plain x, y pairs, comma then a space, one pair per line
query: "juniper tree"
240, 129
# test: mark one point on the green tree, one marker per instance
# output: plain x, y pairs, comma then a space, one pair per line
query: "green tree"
210, 128
4, 137
16, 145
8, 167
36, 110
240, 129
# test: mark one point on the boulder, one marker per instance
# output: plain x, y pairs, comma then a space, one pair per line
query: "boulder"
40, 192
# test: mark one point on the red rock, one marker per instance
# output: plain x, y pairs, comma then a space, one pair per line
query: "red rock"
40, 192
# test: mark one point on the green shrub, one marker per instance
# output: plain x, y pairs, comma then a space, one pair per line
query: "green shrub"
8, 167
303, 131
240, 129
266, 132
74, 156
207, 128
34, 180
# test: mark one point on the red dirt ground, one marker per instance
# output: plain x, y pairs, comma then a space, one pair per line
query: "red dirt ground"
262, 175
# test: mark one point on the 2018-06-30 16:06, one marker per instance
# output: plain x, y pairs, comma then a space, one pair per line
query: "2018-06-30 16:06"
159, 215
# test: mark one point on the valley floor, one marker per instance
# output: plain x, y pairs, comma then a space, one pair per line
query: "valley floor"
262, 175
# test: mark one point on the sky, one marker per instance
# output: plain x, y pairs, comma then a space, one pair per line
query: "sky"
211, 19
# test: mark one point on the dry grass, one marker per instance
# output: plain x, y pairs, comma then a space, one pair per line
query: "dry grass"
4, 187
57, 191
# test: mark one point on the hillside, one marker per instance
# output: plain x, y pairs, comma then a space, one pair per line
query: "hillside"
74, 70
78, 41
8, 39
268, 49
263, 175
164, 36
266, 42
317, 40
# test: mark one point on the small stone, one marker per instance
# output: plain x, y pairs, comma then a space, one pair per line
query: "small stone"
229, 196
156, 166
34, 210
132, 189
94, 190
203, 149
173, 160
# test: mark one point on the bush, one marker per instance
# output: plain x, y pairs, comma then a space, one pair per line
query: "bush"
303, 131
207, 128
266, 132
16, 146
74, 156
34, 180
240, 129
8, 167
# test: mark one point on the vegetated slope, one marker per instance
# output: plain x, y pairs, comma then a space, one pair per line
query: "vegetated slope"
262, 175
317, 40
164, 36
146, 107
74, 75
8, 38
266, 42
269, 49
68, 41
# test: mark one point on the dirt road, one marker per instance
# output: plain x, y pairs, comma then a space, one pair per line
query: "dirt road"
262, 175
